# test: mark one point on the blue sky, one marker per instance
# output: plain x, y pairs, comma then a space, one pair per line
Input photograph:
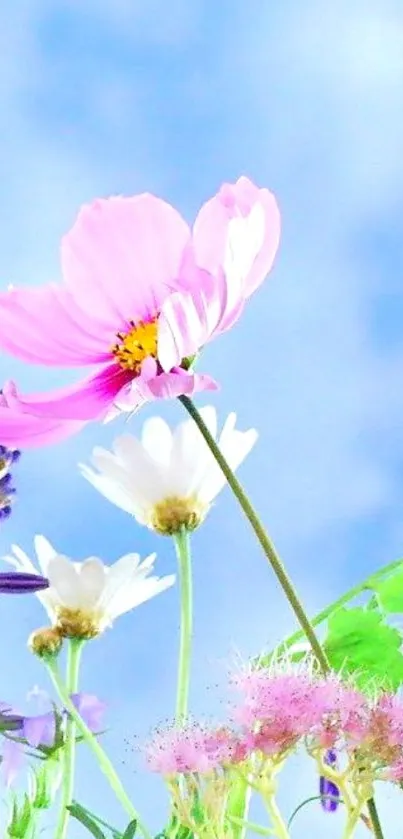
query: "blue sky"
122, 97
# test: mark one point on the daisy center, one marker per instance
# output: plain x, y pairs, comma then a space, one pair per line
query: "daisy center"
134, 346
78, 623
172, 514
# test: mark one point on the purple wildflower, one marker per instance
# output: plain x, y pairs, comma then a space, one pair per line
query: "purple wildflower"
17, 582
327, 788
41, 730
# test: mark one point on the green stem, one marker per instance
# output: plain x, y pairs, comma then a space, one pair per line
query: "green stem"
103, 760
373, 814
274, 560
253, 826
182, 545
262, 536
72, 674
279, 826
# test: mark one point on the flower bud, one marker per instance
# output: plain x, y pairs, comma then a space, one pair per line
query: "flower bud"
46, 642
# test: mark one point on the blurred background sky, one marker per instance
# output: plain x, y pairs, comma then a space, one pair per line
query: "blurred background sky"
125, 96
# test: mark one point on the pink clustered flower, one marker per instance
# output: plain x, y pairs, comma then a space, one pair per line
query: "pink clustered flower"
193, 748
279, 711
142, 293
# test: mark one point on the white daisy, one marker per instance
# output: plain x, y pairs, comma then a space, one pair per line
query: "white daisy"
85, 597
168, 480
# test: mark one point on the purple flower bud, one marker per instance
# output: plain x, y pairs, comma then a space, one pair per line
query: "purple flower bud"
327, 788
17, 582
7, 458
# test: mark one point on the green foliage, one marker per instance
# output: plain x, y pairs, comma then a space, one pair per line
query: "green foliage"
130, 830
86, 820
93, 823
21, 820
359, 640
360, 643
390, 593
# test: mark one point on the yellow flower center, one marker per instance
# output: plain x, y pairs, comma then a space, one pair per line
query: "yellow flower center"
78, 623
172, 514
136, 345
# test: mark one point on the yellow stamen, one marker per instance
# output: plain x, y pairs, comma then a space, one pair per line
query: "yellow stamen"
78, 623
136, 345
172, 514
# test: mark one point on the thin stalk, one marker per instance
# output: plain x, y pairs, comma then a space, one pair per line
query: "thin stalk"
103, 760
262, 536
274, 560
72, 675
373, 814
182, 545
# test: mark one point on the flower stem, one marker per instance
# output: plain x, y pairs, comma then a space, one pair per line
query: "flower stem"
182, 545
103, 760
262, 536
373, 814
279, 826
274, 561
72, 674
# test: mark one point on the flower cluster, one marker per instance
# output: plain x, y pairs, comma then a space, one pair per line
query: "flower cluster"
281, 710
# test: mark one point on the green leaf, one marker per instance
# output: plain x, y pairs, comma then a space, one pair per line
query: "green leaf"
130, 830
82, 816
360, 643
390, 593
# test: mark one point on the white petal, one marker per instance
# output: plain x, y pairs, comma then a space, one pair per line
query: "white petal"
156, 438
139, 591
92, 580
44, 551
235, 446
113, 491
117, 576
189, 461
20, 560
143, 476
64, 581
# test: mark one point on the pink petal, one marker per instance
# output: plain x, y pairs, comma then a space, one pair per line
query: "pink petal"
211, 229
188, 320
41, 326
122, 256
153, 385
25, 431
88, 399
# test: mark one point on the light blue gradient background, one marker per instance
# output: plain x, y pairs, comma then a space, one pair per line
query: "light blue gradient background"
175, 98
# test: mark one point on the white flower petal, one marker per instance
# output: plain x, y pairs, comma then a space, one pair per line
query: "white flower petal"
139, 475
44, 551
113, 491
157, 440
64, 581
91, 582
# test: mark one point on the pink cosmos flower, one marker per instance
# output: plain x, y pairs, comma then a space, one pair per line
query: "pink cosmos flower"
142, 294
